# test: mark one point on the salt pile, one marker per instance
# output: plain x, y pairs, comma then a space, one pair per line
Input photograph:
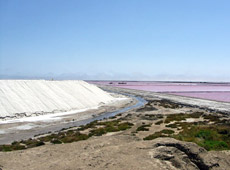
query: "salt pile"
19, 98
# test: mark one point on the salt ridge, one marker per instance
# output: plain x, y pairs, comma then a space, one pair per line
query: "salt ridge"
29, 97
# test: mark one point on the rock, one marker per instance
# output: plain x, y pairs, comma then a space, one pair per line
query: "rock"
187, 155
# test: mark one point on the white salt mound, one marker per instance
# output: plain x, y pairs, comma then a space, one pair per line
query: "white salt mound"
26, 97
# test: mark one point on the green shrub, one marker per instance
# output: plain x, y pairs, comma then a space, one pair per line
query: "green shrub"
97, 132
205, 134
154, 136
159, 122
173, 125
210, 117
56, 141
30, 143
143, 127
167, 131
163, 133
124, 126
182, 116
214, 145
211, 137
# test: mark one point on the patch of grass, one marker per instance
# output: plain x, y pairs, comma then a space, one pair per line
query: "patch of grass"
6, 148
196, 114
151, 116
110, 126
211, 137
56, 141
21, 145
97, 132
167, 131
74, 137
182, 116
210, 117
182, 125
14, 146
163, 133
169, 104
109, 123
89, 125
224, 122
30, 143
172, 125
48, 138
205, 134
215, 145
124, 126
143, 127
146, 107
159, 122
175, 117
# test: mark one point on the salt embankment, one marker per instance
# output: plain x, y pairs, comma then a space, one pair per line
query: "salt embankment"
20, 98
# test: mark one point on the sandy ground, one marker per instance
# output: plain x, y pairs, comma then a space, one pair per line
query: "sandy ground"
121, 150
107, 152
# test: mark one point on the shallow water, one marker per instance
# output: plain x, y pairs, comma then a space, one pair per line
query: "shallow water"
140, 102
211, 91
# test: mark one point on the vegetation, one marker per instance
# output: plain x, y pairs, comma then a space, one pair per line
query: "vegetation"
169, 104
110, 126
163, 133
213, 118
182, 116
147, 107
151, 116
172, 125
159, 122
211, 137
214, 136
30, 143
68, 136
13, 146
143, 127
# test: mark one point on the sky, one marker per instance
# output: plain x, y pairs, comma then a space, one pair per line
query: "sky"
115, 39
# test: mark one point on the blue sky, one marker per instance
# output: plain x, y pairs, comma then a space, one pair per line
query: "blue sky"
115, 39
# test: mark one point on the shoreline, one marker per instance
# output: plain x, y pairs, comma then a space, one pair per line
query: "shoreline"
195, 102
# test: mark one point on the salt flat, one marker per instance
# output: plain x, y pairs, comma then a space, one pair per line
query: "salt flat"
203, 90
196, 102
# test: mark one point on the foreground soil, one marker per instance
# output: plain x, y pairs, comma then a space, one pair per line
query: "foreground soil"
149, 142
118, 151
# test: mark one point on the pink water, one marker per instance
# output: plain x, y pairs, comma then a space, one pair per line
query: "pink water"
210, 91
218, 96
